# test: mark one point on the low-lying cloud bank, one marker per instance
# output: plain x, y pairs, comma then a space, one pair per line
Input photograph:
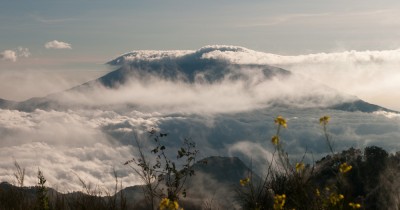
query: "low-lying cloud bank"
152, 94
66, 144
91, 143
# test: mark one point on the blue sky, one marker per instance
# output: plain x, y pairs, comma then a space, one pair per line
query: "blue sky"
100, 30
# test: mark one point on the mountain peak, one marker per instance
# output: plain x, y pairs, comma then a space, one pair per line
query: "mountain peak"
156, 55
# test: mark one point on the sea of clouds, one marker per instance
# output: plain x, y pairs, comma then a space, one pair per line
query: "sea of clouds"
231, 116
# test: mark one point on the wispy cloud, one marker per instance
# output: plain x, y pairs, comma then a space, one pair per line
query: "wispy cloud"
281, 19
57, 45
383, 16
23, 52
52, 20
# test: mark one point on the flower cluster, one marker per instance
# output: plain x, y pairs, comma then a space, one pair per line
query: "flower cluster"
335, 198
275, 140
299, 167
244, 181
324, 120
344, 168
279, 201
280, 121
167, 204
329, 197
355, 205
317, 192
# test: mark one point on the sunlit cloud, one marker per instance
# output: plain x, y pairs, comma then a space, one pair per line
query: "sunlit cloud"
57, 45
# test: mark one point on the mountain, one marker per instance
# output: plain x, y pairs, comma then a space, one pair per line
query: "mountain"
186, 65
360, 105
198, 70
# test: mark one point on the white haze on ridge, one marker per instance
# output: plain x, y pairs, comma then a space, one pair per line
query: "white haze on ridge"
152, 94
224, 118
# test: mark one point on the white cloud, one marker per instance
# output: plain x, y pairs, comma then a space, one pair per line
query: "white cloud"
13, 55
57, 45
63, 144
8, 55
241, 55
91, 142
153, 94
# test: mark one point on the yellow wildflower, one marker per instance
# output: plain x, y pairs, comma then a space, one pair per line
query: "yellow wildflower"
167, 204
324, 120
299, 167
335, 198
281, 121
317, 192
164, 203
344, 168
279, 201
355, 205
244, 181
275, 140
175, 205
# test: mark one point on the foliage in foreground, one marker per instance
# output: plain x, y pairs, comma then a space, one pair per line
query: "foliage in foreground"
347, 180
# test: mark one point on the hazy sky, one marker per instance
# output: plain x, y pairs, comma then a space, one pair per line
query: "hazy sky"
68, 41
106, 28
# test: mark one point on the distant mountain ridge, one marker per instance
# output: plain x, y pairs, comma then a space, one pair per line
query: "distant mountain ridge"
6, 103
